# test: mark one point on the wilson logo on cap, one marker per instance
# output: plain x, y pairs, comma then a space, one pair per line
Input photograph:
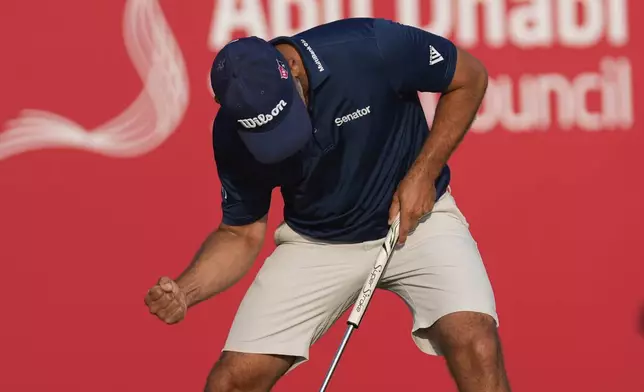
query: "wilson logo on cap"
263, 119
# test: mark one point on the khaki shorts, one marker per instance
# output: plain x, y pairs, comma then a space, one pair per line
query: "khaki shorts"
306, 285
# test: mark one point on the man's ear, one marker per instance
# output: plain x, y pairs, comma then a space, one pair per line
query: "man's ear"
295, 68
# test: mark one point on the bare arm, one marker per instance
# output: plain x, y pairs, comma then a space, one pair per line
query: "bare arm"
455, 112
223, 259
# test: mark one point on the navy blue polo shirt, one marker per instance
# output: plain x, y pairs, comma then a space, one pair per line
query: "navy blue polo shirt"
369, 126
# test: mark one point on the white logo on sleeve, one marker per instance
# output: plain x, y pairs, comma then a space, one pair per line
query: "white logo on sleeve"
434, 56
263, 119
353, 116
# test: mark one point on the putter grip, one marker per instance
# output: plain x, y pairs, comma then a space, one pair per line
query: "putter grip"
369, 287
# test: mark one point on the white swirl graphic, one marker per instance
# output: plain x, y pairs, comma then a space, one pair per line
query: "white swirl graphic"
145, 124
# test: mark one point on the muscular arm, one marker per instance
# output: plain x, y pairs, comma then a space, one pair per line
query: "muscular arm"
419, 61
455, 112
223, 259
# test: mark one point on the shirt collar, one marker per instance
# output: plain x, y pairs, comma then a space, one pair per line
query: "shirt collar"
316, 68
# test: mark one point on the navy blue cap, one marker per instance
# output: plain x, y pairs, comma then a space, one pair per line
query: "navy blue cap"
255, 87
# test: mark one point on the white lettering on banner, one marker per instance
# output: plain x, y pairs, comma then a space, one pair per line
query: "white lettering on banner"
585, 33
617, 22
530, 109
494, 16
250, 18
282, 20
530, 23
523, 23
263, 119
332, 9
233, 15
441, 10
362, 8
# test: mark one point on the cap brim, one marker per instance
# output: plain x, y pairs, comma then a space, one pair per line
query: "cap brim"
283, 141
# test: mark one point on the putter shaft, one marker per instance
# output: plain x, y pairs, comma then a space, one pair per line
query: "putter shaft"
336, 360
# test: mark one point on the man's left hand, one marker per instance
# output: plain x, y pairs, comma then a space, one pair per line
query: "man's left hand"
414, 198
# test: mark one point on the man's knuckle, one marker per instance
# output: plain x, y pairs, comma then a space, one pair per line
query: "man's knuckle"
176, 317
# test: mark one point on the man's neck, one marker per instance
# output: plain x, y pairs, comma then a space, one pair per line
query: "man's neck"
296, 65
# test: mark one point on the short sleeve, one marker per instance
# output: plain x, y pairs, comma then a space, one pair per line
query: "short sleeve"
415, 60
245, 190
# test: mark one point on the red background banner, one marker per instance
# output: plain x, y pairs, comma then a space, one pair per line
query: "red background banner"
114, 185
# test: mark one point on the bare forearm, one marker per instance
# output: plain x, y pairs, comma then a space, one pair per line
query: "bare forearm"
455, 112
223, 259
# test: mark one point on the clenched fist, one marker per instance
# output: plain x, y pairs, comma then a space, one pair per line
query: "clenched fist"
167, 301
